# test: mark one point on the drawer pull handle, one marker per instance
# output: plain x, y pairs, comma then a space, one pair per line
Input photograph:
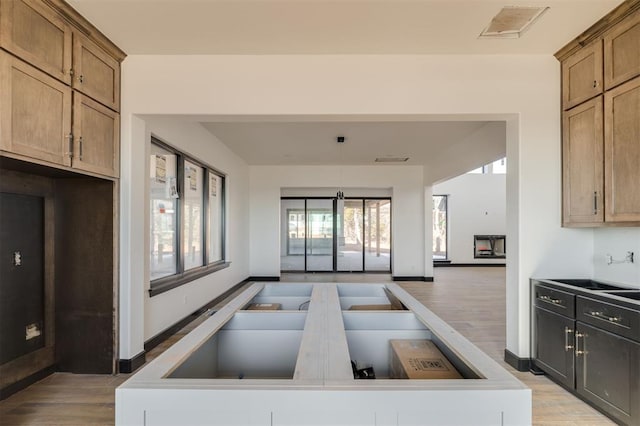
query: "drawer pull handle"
578, 351
567, 345
603, 316
549, 299
70, 139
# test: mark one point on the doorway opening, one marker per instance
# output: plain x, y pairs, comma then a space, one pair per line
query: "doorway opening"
335, 235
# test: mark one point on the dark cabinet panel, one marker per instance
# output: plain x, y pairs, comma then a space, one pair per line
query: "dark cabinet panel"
22, 272
608, 372
85, 325
554, 348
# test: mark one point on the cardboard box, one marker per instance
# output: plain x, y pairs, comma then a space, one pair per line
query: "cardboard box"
419, 359
264, 307
385, 307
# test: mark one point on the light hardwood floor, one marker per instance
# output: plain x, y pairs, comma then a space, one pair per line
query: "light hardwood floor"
472, 300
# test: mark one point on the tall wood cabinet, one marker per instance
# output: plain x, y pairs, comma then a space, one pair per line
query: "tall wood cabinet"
601, 122
59, 148
61, 80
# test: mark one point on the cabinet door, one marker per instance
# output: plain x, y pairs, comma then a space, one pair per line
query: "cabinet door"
622, 52
96, 74
582, 164
35, 112
96, 131
553, 345
582, 75
622, 153
35, 33
608, 372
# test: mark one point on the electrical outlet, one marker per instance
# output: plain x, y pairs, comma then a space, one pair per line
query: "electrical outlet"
32, 331
17, 258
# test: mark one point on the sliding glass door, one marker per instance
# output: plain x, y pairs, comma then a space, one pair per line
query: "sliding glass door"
319, 235
350, 236
377, 223
330, 235
293, 234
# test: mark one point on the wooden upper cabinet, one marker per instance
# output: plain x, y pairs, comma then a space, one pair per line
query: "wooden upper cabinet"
35, 33
622, 51
582, 75
96, 130
622, 153
35, 112
582, 164
96, 74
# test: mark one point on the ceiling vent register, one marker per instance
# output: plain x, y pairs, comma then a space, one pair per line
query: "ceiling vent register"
512, 21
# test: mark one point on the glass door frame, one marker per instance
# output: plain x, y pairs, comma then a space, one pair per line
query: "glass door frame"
335, 235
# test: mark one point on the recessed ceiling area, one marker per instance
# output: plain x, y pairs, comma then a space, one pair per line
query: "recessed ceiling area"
332, 27
445, 148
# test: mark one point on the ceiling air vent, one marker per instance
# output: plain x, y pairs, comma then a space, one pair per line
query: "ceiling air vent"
512, 21
392, 159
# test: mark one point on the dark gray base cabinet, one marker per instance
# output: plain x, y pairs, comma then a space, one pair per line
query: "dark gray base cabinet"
589, 343
608, 372
553, 349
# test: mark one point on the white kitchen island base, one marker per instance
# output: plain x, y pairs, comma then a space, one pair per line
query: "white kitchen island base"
293, 367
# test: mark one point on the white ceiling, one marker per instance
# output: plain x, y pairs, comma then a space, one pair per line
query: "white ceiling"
427, 143
447, 147
331, 26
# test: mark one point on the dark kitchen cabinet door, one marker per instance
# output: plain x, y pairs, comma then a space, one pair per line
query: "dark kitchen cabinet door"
608, 372
22, 272
553, 349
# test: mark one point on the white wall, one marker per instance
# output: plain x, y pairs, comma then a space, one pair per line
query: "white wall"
142, 316
407, 212
164, 310
476, 206
523, 90
617, 242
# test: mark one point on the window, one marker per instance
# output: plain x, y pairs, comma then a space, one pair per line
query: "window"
440, 227
500, 166
497, 167
164, 172
193, 253
215, 218
186, 219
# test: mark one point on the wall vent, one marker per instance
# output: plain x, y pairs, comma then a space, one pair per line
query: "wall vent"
392, 159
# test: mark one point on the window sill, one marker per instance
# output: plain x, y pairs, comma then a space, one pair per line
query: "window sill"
165, 284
